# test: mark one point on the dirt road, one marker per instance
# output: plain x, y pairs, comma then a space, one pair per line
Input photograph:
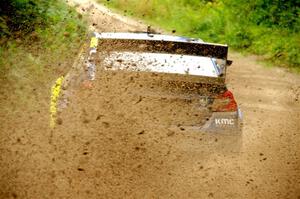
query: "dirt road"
107, 145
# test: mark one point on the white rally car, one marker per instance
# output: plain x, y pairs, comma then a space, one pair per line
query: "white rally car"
183, 61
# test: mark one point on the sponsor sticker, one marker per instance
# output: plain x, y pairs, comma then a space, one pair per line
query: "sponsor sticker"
55, 92
94, 42
224, 121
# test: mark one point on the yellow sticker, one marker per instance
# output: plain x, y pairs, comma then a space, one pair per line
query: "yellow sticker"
55, 91
94, 42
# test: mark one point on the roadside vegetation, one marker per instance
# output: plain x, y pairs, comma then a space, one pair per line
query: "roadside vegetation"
269, 28
38, 41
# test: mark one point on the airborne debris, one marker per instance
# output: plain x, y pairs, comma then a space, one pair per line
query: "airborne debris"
99, 117
105, 124
170, 133
59, 121
139, 100
66, 34
85, 120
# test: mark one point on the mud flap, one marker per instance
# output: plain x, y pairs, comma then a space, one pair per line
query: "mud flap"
224, 123
226, 127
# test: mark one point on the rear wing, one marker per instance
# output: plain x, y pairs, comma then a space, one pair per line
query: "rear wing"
153, 43
161, 44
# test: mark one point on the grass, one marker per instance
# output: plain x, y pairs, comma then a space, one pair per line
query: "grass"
222, 22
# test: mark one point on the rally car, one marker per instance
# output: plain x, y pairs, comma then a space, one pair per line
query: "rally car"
192, 68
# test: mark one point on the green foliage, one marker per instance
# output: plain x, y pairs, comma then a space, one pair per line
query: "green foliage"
33, 48
265, 27
22, 15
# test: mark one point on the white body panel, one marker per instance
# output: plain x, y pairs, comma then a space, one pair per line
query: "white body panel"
162, 63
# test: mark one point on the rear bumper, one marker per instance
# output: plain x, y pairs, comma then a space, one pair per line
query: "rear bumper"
224, 122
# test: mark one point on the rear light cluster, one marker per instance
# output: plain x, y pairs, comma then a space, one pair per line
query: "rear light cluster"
225, 103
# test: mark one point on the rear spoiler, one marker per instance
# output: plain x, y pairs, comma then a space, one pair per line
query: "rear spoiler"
149, 43
163, 46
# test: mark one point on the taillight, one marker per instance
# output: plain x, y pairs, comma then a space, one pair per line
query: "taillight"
225, 103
